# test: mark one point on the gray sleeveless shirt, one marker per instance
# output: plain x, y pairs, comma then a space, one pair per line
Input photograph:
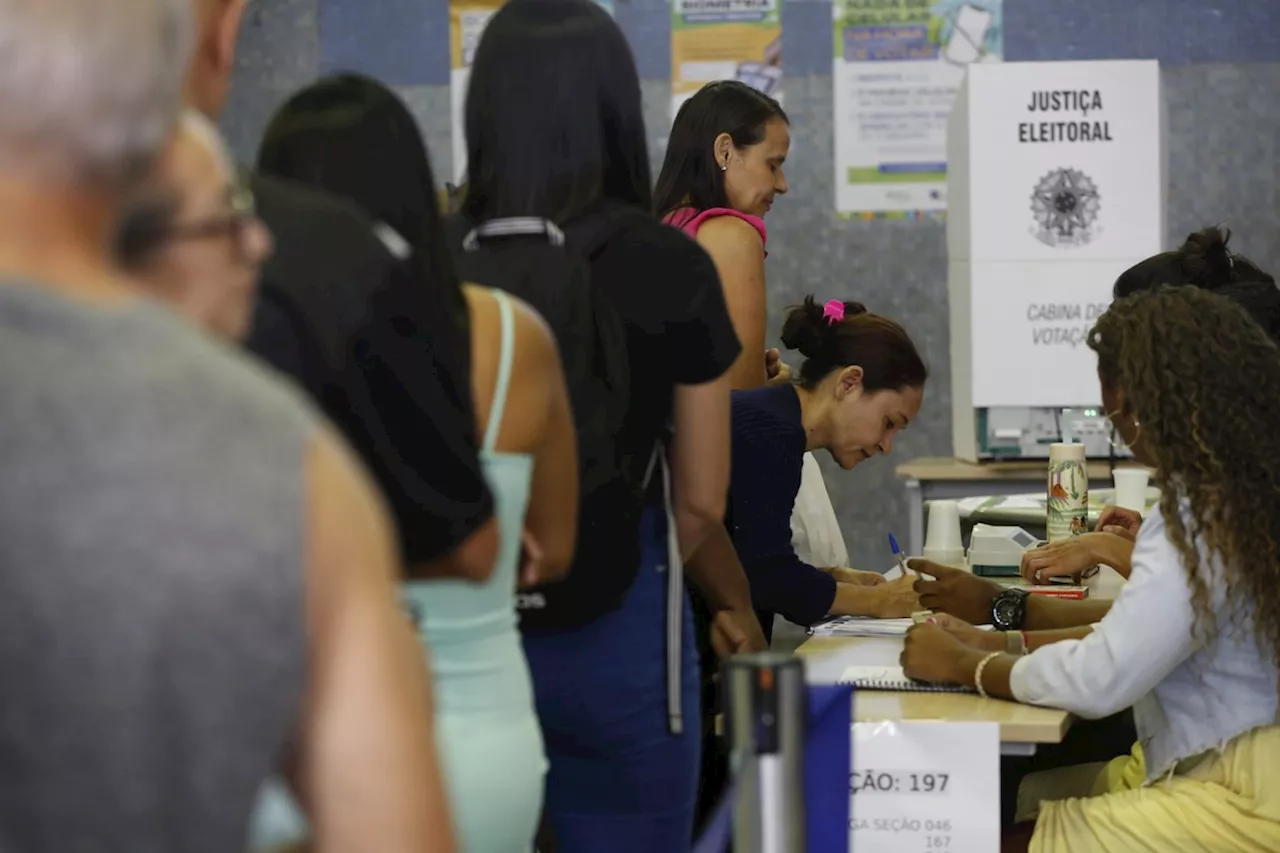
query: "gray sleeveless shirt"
152, 653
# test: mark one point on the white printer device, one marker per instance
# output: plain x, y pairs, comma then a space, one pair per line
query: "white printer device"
997, 551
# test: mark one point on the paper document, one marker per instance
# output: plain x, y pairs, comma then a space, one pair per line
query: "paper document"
861, 626
865, 626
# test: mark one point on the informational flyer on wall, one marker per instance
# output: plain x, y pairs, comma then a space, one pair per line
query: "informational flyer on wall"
725, 40
898, 64
467, 20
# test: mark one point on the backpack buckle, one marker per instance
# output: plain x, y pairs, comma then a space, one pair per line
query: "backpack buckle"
514, 226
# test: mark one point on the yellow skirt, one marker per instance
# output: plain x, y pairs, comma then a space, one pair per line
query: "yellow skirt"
1227, 803
1122, 774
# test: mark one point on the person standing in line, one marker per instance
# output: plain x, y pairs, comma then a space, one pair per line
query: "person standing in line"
192, 237
486, 727
214, 570
721, 173
555, 135
723, 168
384, 357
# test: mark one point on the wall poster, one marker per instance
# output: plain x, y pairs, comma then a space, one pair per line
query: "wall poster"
898, 64
467, 19
725, 40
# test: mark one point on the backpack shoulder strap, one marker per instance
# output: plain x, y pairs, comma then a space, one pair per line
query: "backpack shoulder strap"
506, 355
515, 226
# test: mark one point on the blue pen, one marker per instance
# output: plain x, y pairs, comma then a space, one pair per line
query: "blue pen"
897, 552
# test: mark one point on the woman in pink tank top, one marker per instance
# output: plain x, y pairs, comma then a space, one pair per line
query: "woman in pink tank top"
722, 171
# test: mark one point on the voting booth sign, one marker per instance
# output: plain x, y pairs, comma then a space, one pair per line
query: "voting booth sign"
924, 787
1056, 184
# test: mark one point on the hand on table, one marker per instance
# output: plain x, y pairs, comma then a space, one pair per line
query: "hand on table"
1066, 558
736, 632
933, 654
896, 598
955, 591
776, 371
974, 638
1120, 522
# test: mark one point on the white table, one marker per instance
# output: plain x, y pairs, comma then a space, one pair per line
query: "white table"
1022, 727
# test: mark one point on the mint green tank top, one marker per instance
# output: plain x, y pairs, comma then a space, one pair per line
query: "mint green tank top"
487, 735
470, 629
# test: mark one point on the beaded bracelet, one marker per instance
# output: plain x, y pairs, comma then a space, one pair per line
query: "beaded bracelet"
977, 673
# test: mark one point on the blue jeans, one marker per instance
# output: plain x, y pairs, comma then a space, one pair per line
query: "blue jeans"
619, 780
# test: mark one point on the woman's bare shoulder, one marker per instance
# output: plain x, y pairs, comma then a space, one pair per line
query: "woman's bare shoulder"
730, 231
534, 340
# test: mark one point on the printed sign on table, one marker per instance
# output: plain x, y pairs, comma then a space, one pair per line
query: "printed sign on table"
898, 64
725, 40
925, 787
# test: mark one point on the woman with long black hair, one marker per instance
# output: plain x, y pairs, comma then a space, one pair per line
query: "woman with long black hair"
555, 133
353, 136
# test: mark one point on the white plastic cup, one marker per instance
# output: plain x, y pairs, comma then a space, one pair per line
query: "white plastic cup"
953, 557
1131, 488
942, 542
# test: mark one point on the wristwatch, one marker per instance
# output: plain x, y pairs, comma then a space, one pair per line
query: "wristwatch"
1009, 610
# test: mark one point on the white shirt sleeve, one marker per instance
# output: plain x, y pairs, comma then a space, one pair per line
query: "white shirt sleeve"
1144, 637
815, 530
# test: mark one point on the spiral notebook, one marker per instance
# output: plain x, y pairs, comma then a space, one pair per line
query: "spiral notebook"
893, 678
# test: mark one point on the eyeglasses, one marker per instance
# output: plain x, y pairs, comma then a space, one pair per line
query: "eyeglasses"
242, 211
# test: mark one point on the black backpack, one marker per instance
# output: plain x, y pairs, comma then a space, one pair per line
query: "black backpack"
550, 268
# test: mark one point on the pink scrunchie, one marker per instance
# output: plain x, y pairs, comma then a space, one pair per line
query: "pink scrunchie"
833, 312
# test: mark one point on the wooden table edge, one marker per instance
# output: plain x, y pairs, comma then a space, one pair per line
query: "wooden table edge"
1010, 731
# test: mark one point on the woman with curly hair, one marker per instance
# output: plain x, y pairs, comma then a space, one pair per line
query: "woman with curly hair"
1203, 260
1192, 384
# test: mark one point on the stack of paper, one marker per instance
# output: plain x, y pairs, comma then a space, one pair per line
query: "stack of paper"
861, 626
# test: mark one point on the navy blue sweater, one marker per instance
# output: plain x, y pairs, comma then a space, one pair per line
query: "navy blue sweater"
768, 456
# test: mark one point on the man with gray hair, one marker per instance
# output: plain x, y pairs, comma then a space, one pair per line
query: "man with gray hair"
196, 579
194, 239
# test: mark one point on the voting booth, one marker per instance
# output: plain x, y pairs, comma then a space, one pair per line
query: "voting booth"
1056, 184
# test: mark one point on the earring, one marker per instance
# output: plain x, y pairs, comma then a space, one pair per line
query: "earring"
1118, 443
724, 167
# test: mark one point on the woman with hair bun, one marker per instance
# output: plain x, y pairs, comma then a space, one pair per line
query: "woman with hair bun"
1203, 260
862, 382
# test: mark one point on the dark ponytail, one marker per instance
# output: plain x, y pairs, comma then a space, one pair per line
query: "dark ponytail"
881, 347
1203, 260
